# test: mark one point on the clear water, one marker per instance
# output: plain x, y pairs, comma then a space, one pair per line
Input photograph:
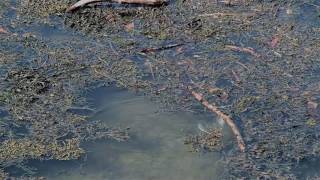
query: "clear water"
156, 149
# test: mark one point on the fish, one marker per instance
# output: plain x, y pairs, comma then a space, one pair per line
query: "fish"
201, 128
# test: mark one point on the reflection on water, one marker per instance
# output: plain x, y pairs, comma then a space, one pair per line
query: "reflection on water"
155, 150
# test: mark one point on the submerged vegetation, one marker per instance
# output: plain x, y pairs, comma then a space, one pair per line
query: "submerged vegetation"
209, 140
258, 61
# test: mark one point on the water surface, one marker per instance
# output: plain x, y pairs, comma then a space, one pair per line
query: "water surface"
156, 149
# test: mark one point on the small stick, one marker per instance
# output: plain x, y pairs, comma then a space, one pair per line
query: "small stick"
243, 49
148, 50
221, 14
85, 2
80, 4
225, 117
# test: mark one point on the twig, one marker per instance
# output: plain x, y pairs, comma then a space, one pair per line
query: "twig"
222, 14
243, 49
145, 2
148, 50
80, 4
225, 117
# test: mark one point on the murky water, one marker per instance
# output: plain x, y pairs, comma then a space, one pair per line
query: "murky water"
156, 149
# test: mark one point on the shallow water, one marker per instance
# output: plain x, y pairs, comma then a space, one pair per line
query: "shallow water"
156, 149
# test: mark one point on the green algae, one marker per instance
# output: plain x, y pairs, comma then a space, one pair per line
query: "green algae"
311, 122
44, 9
14, 150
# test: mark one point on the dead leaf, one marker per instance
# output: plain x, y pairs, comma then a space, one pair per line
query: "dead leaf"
2, 30
312, 105
129, 27
214, 90
179, 50
110, 18
224, 97
219, 92
275, 40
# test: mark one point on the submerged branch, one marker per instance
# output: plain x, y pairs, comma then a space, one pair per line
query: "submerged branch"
225, 117
144, 2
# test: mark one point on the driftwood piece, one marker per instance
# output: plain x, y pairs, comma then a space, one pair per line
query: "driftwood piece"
145, 2
221, 114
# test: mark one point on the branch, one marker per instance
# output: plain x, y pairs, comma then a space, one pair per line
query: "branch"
225, 117
243, 49
145, 2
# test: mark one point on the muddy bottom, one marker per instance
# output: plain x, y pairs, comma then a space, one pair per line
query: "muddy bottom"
156, 149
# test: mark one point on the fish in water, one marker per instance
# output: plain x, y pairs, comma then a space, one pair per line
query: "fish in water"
203, 129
